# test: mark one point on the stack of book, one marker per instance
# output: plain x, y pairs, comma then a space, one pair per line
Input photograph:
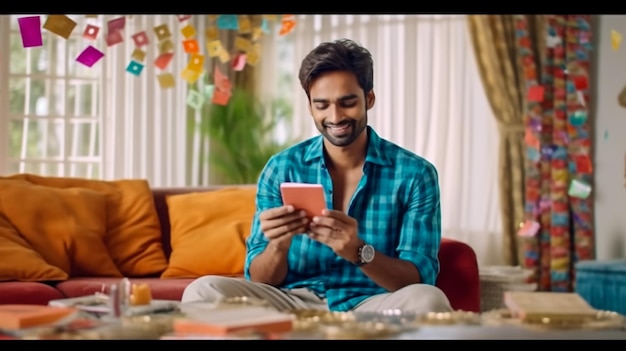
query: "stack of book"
231, 322
36, 321
549, 307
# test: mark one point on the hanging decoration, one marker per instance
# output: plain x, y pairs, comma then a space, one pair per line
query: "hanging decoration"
245, 51
558, 230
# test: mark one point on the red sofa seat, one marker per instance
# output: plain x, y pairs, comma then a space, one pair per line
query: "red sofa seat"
458, 275
30, 293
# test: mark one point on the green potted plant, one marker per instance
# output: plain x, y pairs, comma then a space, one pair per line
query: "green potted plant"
242, 135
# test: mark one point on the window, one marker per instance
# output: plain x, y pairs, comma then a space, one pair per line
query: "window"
62, 118
53, 106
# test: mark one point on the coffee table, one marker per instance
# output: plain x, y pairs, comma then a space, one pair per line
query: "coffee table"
156, 326
462, 332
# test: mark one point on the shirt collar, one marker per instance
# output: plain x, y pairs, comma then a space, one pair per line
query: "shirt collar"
375, 153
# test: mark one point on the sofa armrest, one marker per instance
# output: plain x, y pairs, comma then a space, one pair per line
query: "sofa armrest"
458, 275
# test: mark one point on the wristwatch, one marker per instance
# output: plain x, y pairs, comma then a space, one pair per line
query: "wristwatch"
366, 254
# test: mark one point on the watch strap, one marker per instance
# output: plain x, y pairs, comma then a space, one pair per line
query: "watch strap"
360, 261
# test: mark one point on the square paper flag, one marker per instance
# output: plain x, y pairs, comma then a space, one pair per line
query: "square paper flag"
166, 80
134, 68
90, 56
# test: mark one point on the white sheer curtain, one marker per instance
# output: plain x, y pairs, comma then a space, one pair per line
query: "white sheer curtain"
144, 126
429, 99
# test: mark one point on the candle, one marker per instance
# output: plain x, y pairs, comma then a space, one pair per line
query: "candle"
140, 295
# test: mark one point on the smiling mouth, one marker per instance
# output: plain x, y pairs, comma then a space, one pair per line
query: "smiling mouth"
339, 129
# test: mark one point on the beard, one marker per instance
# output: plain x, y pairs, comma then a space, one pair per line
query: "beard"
344, 132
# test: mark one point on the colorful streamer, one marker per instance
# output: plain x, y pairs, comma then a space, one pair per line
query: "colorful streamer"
558, 162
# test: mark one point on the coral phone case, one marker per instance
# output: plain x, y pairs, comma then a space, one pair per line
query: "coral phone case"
304, 196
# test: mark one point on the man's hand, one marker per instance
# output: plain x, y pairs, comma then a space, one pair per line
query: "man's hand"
339, 231
280, 224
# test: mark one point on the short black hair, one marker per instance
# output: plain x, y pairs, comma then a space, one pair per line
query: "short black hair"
339, 55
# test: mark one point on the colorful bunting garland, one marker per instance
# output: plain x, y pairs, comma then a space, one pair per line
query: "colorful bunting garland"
246, 50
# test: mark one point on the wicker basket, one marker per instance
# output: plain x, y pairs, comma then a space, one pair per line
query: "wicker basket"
495, 280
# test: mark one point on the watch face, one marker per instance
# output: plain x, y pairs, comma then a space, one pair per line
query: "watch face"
367, 253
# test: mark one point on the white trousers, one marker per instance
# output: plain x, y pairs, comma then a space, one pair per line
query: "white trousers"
417, 298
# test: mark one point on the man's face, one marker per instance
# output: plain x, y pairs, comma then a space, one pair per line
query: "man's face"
339, 107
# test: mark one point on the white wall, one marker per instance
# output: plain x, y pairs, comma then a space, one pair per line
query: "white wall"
609, 189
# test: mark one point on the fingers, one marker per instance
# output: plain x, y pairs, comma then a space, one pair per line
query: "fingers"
339, 216
330, 222
269, 223
290, 223
277, 212
319, 233
334, 214
291, 228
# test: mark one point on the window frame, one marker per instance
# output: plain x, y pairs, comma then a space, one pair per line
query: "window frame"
69, 119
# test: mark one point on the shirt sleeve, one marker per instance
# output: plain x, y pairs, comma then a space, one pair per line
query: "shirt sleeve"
267, 196
420, 236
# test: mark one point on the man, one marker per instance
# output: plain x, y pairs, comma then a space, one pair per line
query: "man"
375, 247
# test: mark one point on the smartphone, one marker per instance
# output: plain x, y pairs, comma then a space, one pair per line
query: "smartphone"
304, 196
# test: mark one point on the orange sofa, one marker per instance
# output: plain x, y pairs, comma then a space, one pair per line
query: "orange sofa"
458, 277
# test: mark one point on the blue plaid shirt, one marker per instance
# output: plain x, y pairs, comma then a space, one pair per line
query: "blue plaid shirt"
396, 204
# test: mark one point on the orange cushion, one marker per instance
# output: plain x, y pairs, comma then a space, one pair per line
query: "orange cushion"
19, 260
64, 226
133, 231
208, 232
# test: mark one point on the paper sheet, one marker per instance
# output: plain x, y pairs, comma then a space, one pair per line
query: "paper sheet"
163, 60
227, 22
134, 68
528, 228
257, 33
116, 24
243, 44
208, 91
30, 30
196, 61
60, 25
90, 56
214, 48
220, 97
188, 31
91, 32
579, 189
191, 46
239, 62
224, 56
138, 55
166, 80
212, 33
162, 32
195, 99
141, 39
166, 46
287, 25
244, 24
189, 75
616, 40
114, 38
